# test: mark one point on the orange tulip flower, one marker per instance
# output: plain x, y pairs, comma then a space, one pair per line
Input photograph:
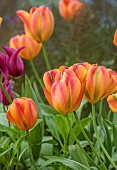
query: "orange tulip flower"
63, 89
112, 101
32, 47
22, 113
68, 9
38, 24
100, 82
115, 38
0, 20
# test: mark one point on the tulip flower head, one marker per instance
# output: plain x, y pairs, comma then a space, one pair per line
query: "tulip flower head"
0, 20
14, 62
69, 9
100, 82
112, 101
8, 87
115, 38
38, 24
22, 113
3, 65
31, 50
63, 89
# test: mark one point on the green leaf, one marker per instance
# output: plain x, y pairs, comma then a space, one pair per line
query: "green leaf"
29, 92
47, 110
67, 162
36, 136
77, 155
79, 110
50, 121
77, 129
115, 135
46, 150
62, 126
3, 119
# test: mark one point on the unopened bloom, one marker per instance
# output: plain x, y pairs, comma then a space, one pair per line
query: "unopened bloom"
68, 9
115, 38
100, 83
8, 87
14, 62
112, 101
31, 50
38, 24
3, 65
22, 113
63, 89
0, 20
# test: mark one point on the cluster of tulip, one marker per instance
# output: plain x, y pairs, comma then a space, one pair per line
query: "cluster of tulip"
65, 87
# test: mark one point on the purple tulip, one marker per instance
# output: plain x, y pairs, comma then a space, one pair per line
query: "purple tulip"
3, 66
8, 86
14, 62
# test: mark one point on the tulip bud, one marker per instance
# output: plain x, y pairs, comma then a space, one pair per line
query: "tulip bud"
8, 87
63, 86
14, 62
32, 47
69, 9
112, 101
3, 65
38, 24
100, 82
22, 113
115, 38
0, 20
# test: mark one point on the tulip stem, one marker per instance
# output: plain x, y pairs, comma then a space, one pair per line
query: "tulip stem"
36, 74
30, 150
98, 138
45, 57
87, 138
5, 93
78, 143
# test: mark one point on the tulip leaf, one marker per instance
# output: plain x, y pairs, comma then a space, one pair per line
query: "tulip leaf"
50, 121
47, 110
77, 155
3, 119
77, 129
67, 162
29, 92
36, 136
115, 135
62, 126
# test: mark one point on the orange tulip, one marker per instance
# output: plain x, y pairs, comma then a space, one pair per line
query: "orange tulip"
38, 24
68, 9
115, 38
22, 113
0, 20
112, 101
32, 47
63, 89
100, 82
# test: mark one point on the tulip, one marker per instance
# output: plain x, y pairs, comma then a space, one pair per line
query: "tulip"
38, 24
22, 113
100, 82
68, 9
112, 101
115, 38
0, 20
8, 87
14, 62
3, 65
63, 89
32, 47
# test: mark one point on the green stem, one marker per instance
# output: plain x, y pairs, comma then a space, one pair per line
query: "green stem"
5, 93
98, 138
78, 143
45, 57
87, 138
36, 74
30, 150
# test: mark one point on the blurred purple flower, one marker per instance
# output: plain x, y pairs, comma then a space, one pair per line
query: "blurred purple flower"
3, 66
8, 86
14, 63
